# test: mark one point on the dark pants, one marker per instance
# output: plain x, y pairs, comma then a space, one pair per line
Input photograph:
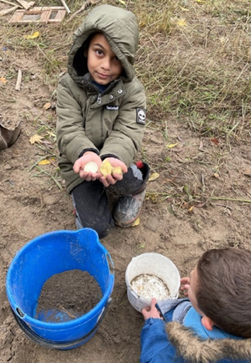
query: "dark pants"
94, 203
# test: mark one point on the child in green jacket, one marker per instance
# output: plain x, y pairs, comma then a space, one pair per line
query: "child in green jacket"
101, 110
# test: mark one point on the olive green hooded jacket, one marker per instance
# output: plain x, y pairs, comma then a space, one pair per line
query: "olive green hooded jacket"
109, 123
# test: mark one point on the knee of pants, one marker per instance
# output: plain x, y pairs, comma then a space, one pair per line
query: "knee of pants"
103, 228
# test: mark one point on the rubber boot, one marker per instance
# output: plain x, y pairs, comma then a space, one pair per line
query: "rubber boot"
128, 208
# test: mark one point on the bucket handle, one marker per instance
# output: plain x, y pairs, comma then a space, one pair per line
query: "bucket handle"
59, 345
110, 263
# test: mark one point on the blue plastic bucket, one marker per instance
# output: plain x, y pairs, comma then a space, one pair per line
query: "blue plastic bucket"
45, 256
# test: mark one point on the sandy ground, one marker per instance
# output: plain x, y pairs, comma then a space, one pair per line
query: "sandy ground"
174, 221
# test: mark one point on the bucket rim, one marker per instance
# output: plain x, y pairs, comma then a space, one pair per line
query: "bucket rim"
149, 254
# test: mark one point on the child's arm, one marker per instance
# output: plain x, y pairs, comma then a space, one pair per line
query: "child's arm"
125, 139
155, 347
71, 136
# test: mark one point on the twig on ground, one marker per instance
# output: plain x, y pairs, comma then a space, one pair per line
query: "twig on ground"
19, 80
231, 199
7, 11
67, 312
86, 4
42, 158
52, 177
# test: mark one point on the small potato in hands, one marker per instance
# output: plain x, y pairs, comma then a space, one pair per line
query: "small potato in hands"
117, 170
91, 167
107, 169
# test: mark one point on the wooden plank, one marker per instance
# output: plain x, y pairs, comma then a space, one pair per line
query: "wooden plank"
26, 5
39, 15
7, 11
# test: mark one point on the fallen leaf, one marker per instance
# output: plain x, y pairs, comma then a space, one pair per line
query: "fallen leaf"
215, 141
3, 80
247, 172
47, 106
182, 22
44, 162
136, 223
36, 138
32, 36
122, 2
216, 175
154, 176
172, 145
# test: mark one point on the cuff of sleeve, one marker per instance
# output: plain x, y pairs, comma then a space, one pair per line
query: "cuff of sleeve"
103, 157
85, 150
152, 321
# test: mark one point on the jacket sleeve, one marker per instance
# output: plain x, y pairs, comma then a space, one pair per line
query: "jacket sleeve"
155, 346
71, 138
126, 136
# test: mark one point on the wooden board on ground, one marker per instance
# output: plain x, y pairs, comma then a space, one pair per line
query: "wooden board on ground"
52, 14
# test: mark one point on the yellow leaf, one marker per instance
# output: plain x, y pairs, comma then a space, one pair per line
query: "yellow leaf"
122, 2
200, 1
3, 80
47, 106
184, 9
136, 223
182, 22
190, 209
154, 176
172, 145
35, 138
51, 134
44, 162
32, 36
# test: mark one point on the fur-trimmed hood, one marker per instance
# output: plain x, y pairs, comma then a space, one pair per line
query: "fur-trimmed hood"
192, 349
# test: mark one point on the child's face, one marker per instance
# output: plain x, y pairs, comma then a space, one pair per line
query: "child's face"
102, 63
192, 291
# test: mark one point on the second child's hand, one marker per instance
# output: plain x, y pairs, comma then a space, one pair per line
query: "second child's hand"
151, 311
184, 284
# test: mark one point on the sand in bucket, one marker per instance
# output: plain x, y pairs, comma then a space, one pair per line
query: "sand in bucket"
67, 296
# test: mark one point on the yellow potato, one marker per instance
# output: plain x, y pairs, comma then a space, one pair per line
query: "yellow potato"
117, 170
105, 168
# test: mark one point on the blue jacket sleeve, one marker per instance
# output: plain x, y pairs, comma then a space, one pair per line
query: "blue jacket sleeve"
155, 346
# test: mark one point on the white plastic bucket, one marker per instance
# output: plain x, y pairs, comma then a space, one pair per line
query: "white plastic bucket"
151, 264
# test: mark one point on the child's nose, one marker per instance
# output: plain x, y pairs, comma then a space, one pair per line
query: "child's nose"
106, 64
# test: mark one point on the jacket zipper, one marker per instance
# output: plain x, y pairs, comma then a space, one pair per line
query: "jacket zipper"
99, 99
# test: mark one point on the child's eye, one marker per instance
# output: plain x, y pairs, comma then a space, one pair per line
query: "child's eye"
99, 52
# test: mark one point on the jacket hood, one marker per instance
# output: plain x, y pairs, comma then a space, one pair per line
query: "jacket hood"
120, 28
195, 350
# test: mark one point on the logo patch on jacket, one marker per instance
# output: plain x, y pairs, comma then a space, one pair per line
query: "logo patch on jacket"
140, 116
112, 108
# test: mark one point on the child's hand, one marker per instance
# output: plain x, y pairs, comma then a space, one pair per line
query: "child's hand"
113, 178
151, 311
80, 164
184, 284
